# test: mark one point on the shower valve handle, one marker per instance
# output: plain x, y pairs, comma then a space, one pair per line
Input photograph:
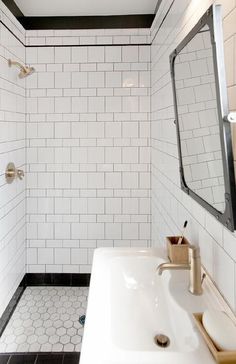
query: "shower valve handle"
13, 173
20, 174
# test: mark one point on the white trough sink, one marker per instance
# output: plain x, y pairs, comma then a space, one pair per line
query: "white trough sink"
129, 303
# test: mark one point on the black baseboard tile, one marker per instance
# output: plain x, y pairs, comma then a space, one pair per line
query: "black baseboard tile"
58, 279
11, 307
4, 358
40, 358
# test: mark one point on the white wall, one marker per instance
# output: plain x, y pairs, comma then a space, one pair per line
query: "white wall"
170, 206
12, 149
88, 158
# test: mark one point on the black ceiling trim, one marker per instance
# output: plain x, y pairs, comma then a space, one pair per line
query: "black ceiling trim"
80, 22
11, 5
87, 22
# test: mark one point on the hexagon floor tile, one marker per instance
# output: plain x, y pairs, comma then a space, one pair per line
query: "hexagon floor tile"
46, 319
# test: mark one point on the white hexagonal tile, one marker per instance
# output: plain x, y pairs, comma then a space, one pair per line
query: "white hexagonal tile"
32, 339
40, 331
11, 348
47, 323
25, 316
24, 347
57, 347
67, 324
65, 339
35, 316
9, 339
64, 317
57, 323
78, 347
71, 331
19, 331
50, 331
54, 339
43, 339
17, 323
27, 323
69, 347
61, 331
35, 347
21, 339
76, 339
29, 330
38, 323
46, 347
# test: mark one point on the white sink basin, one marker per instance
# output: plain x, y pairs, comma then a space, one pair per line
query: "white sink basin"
129, 303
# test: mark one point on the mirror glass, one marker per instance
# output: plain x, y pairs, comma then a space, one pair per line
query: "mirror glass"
198, 119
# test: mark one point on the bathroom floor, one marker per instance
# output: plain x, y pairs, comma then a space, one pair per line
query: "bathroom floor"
46, 319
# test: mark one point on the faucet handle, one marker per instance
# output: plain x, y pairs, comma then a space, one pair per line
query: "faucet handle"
20, 174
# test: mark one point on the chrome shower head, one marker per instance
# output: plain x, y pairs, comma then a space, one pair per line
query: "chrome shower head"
24, 70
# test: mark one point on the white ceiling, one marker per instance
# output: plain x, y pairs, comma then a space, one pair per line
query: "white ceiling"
85, 7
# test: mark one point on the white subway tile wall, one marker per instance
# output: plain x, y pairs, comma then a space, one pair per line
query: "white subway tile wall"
12, 149
88, 153
87, 37
170, 206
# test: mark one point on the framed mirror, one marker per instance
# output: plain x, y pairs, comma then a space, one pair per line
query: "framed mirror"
202, 118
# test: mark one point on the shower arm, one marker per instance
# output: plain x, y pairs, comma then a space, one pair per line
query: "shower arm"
15, 63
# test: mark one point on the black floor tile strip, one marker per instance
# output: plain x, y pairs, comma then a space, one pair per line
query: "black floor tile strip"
40, 358
22, 359
4, 358
71, 358
4, 319
49, 358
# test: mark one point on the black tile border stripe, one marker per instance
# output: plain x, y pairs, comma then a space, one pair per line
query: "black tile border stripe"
57, 279
42, 279
14, 9
79, 22
40, 358
4, 319
87, 22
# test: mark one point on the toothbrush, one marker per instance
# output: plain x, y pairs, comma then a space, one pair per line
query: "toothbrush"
182, 236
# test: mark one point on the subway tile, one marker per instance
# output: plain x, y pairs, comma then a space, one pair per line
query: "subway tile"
62, 55
83, 149
96, 54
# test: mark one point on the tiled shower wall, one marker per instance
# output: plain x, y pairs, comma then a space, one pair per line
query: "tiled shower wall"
88, 157
12, 149
170, 206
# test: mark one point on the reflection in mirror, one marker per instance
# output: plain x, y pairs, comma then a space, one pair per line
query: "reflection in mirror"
198, 120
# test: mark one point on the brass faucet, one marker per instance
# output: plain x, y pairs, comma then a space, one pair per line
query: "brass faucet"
194, 267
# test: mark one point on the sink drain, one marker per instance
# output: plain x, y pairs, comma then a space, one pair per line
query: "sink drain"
162, 340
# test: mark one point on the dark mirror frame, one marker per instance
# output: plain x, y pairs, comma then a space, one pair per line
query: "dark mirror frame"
213, 19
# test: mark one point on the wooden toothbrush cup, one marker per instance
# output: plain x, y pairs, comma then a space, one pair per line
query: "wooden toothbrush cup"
177, 253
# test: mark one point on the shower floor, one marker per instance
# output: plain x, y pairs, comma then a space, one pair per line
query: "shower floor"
46, 319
